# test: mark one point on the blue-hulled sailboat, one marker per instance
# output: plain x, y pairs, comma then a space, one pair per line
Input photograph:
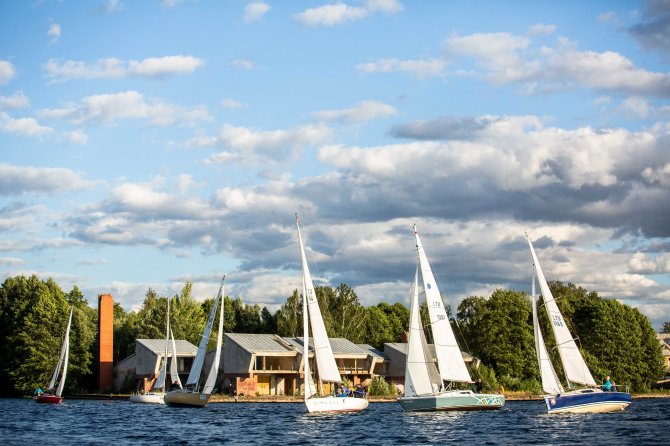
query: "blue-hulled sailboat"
588, 399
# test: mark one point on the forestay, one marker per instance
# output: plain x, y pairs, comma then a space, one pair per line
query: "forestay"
573, 363
449, 359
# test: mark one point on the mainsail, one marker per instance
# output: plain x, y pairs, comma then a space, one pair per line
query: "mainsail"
449, 359
325, 360
421, 375
63, 360
174, 374
194, 374
213, 371
160, 382
550, 382
575, 368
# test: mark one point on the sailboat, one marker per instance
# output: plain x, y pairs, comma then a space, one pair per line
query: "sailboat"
155, 396
424, 381
588, 399
191, 395
53, 395
326, 368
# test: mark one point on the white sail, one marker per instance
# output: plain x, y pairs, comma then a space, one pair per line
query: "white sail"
174, 374
323, 352
574, 366
65, 353
160, 382
550, 382
194, 374
213, 371
449, 359
418, 379
310, 388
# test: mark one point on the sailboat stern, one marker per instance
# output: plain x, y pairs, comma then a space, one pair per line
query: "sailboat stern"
48, 398
185, 398
588, 401
335, 404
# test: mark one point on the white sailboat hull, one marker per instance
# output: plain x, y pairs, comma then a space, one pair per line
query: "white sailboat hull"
150, 398
335, 404
587, 401
453, 400
185, 398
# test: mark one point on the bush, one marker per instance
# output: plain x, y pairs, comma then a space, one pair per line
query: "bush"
379, 387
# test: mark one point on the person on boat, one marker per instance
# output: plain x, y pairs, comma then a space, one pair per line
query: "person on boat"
607, 386
479, 386
359, 392
501, 389
38, 391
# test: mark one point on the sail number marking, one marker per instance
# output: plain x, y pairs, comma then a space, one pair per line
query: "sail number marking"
558, 322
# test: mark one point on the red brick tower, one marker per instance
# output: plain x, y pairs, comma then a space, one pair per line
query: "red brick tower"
106, 338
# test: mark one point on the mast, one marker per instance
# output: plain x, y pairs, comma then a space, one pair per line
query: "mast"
574, 365
449, 358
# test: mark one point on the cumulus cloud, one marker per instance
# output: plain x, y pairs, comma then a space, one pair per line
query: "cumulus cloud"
255, 11
420, 68
330, 15
7, 71
658, 175
253, 147
54, 32
541, 28
14, 102
506, 58
77, 137
22, 126
18, 180
641, 263
243, 64
388, 6
112, 68
232, 104
109, 108
360, 113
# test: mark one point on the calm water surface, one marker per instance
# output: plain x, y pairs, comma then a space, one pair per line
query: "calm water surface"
79, 422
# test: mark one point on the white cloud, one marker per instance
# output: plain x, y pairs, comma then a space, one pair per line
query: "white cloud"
77, 137
243, 64
541, 28
421, 68
112, 68
22, 126
17, 180
10, 261
109, 108
388, 6
329, 15
14, 102
256, 10
640, 263
636, 105
54, 32
7, 71
232, 104
658, 175
362, 112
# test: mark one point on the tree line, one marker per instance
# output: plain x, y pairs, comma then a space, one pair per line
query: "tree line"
616, 339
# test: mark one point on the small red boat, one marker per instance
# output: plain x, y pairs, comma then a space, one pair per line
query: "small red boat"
48, 398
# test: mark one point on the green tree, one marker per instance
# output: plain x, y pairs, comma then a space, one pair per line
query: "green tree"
268, 322
289, 316
345, 315
666, 327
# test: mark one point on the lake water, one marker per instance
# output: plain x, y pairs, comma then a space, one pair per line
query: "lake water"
83, 422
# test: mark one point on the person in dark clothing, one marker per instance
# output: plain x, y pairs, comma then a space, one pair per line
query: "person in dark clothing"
479, 386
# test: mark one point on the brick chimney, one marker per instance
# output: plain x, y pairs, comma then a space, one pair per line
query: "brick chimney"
106, 341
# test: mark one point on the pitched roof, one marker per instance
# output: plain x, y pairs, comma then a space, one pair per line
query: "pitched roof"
269, 344
184, 348
372, 351
402, 348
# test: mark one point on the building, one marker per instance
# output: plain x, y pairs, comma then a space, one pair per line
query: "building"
140, 370
396, 358
266, 364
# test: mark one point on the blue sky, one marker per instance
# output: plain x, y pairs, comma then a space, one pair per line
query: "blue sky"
148, 143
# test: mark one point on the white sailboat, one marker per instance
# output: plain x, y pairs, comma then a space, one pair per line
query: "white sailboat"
155, 396
584, 400
53, 394
424, 382
191, 395
326, 368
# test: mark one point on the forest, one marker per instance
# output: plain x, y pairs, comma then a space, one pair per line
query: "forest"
616, 339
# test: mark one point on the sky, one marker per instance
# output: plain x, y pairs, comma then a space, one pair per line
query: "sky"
144, 144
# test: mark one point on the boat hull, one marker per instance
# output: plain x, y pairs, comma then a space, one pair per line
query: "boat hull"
335, 404
48, 398
150, 398
181, 398
588, 401
453, 400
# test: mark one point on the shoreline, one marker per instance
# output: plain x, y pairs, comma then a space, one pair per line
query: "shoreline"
219, 398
